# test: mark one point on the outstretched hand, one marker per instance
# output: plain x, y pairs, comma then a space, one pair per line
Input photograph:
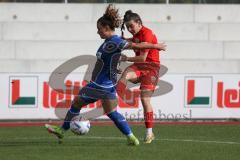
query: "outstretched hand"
161, 46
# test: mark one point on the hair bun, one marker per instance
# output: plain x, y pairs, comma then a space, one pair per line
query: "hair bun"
111, 17
128, 12
129, 15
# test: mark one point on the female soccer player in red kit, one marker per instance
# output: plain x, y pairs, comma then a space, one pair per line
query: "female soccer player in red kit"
144, 70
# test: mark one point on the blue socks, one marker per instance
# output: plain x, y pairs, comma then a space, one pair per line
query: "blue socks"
116, 117
72, 112
120, 122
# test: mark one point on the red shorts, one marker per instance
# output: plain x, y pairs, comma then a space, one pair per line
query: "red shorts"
147, 73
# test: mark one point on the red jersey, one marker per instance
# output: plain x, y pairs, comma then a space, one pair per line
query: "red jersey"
146, 35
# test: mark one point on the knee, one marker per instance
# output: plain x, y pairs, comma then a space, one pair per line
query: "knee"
126, 75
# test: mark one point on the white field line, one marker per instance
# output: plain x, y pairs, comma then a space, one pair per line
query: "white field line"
120, 138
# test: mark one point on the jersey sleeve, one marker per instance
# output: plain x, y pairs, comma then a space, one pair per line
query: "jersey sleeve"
123, 44
147, 37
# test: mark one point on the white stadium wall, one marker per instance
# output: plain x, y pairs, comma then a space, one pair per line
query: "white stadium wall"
203, 41
39, 37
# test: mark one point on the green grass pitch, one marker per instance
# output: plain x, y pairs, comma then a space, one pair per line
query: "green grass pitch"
173, 142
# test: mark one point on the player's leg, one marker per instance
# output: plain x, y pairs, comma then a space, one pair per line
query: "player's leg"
149, 81
130, 74
87, 95
109, 106
79, 101
74, 110
148, 114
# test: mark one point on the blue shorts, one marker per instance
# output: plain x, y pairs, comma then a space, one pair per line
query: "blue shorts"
92, 92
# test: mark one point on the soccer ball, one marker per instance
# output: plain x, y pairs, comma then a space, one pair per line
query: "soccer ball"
80, 127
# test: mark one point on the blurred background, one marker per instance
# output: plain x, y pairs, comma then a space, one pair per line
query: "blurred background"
201, 37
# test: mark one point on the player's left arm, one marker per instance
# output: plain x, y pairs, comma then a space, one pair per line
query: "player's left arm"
141, 58
146, 45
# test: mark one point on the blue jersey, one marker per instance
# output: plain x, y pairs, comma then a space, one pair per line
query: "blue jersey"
108, 54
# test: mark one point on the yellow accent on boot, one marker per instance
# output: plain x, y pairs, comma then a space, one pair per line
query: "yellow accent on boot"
132, 140
57, 131
149, 138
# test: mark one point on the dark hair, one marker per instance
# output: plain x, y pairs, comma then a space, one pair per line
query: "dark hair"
129, 15
110, 18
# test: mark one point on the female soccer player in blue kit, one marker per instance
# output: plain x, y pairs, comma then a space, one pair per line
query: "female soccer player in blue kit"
104, 77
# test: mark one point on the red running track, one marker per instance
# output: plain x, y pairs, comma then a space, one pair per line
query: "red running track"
109, 123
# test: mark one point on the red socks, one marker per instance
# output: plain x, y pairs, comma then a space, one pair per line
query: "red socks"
148, 119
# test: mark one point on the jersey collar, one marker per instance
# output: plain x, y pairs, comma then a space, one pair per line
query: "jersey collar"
111, 37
